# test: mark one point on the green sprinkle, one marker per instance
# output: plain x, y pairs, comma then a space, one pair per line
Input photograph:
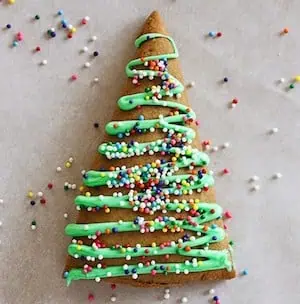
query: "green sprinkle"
292, 86
37, 17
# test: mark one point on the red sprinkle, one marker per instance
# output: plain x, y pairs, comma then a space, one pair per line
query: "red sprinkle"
113, 286
219, 34
50, 186
74, 77
83, 21
91, 297
37, 49
225, 171
70, 35
43, 201
235, 101
227, 214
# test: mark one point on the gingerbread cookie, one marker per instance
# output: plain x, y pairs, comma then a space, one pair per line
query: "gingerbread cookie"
147, 215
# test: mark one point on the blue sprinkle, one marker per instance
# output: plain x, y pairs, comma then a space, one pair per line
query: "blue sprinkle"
60, 12
15, 43
245, 272
212, 34
66, 273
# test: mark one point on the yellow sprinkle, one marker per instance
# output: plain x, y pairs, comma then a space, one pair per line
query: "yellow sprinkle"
11, 1
147, 97
73, 30
88, 194
197, 200
297, 78
106, 210
164, 230
30, 194
151, 223
200, 263
79, 247
195, 207
123, 250
153, 244
153, 165
68, 164
124, 149
174, 159
184, 192
181, 206
102, 174
81, 188
173, 230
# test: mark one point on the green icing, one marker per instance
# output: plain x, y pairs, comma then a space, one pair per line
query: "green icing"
215, 260
185, 156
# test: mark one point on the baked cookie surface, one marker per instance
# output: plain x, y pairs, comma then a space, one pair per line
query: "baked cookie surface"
148, 217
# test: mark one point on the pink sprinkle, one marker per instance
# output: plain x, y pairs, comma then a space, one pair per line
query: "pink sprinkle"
74, 77
153, 272
20, 36
197, 122
228, 214
225, 226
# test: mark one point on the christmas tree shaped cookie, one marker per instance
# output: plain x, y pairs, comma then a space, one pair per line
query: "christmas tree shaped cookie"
148, 214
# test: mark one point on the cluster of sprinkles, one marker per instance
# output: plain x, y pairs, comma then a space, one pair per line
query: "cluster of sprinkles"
150, 186
51, 33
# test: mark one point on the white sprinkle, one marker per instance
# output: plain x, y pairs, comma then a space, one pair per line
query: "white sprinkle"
52, 29
93, 38
211, 291
167, 290
40, 194
85, 49
256, 187
226, 145
184, 300
166, 296
70, 26
277, 175
86, 18
1, 223
44, 62
233, 105
87, 65
73, 186
71, 159
282, 80
69, 186
274, 130
66, 215
33, 227
86, 227
254, 178
1, 201
97, 279
215, 148
58, 169
96, 79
